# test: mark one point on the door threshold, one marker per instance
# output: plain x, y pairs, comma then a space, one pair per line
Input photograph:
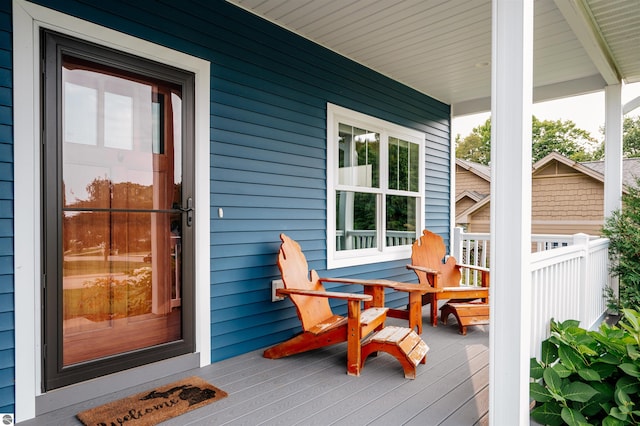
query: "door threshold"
101, 386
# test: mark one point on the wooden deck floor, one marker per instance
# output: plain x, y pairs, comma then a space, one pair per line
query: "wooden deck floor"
452, 388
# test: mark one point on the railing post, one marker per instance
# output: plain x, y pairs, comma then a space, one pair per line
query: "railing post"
456, 250
583, 241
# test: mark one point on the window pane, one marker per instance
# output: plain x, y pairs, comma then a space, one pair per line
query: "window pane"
118, 121
358, 159
122, 270
157, 139
355, 220
404, 165
113, 138
121, 277
80, 114
401, 220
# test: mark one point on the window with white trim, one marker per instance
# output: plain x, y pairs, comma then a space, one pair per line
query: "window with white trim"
375, 188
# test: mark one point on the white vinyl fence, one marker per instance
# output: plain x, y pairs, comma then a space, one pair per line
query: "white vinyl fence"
568, 283
569, 275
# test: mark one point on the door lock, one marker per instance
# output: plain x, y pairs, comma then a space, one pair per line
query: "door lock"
188, 210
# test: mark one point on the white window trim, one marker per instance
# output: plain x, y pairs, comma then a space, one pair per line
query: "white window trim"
28, 19
340, 259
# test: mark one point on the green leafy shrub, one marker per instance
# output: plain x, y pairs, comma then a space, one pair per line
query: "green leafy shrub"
623, 230
106, 298
588, 377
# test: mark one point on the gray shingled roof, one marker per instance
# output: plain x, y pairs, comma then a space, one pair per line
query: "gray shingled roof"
630, 169
486, 170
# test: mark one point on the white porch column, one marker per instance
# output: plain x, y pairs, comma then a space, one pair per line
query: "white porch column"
456, 250
613, 149
511, 98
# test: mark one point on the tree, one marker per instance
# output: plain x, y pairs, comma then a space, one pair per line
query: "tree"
476, 147
563, 137
623, 230
631, 137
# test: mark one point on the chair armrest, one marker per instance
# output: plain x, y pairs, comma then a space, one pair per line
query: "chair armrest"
420, 288
395, 285
329, 294
357, 281
423, 269
484, 273
474, 267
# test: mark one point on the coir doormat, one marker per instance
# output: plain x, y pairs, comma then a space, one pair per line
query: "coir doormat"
155, 405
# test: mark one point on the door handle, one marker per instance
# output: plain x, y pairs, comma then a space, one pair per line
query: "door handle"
188, 210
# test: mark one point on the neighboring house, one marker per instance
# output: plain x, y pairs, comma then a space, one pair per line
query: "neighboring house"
473, 184
567, 196
178, 143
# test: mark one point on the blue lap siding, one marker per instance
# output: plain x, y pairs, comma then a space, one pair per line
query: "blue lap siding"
269, 90
7, 335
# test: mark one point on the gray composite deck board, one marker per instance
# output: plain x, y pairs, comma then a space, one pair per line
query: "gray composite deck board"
451, 389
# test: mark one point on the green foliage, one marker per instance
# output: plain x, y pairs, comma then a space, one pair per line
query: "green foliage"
476, 147
588, 377
364, 211
623, 230
547, 136
563, 137
631, 137
106, 298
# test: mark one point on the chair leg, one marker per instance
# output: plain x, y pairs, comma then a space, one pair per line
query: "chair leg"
354, 348
414, 309
449, 309
434, 312
431, 300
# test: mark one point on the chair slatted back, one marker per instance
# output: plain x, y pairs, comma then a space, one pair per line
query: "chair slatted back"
296, 275
429, 251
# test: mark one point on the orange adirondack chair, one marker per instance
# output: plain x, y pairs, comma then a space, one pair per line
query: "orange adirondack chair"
320, 327
427, 261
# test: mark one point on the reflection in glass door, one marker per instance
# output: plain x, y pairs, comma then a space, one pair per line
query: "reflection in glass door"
116, 244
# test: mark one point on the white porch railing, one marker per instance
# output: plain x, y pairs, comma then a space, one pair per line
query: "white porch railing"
471, 249
358, 239
569, 275
568, 283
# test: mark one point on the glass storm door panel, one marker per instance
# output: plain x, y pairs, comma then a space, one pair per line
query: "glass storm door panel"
122, 213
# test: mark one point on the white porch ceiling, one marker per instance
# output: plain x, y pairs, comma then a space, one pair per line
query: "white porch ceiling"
443, 47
